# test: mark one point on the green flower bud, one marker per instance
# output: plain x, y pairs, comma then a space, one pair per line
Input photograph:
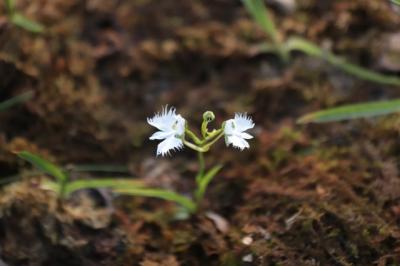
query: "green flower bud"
208, 116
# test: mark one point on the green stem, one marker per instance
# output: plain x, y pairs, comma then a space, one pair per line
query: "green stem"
61, 195
195, 147
211, 135
209, 144
63, 189
193, 136
204, 129
201, 146
200, 172
203, 183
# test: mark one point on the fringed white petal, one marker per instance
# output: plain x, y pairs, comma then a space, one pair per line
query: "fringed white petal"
164, 120
172, 130
234, 131
237, 142
170, 143
243, 122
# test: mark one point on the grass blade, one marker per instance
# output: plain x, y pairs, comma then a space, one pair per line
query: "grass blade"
352, 111
44, 165
259, 12
161, 194
16, 100
27, 24
113, 183
309, 48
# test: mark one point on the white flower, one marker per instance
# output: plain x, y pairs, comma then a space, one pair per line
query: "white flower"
234, 131
172, 130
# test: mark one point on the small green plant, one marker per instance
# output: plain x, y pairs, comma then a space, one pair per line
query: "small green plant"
284, 48
64, 186
20, 20
175, 134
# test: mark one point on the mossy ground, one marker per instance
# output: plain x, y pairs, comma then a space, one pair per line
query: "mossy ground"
302, 195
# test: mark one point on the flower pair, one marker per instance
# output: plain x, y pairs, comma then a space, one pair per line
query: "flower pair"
172, 129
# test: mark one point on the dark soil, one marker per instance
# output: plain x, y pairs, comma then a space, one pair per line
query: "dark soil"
301, 195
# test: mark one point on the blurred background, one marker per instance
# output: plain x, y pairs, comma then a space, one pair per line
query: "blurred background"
92, 72
99, 69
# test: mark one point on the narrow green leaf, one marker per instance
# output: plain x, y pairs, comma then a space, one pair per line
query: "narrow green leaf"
259, 12
44, 166
352, 111
161, 194
205, 180
396, 2
16, 100
99, 168
10, 6
27, 24
305, 46
309, 48
114, 183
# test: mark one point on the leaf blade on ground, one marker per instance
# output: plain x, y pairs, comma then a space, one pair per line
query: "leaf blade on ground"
113, 183
27, 24
43, 165
352, 111
161, 194
309, 48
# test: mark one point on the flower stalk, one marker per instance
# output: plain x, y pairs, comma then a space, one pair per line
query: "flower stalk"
202, 166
